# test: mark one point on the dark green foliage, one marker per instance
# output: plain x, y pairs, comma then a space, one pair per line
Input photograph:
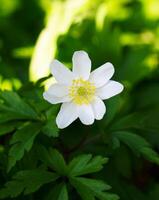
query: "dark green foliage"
116, 157
58, 162
27, 181
22, 141
59, 192
13, 103
85, 164
88, 189
138, 144
8, 127
50, 129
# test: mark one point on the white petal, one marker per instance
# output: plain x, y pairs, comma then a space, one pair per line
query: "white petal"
86, 114
101, 75
67, 114
58, 90
61, 73
99, 108
110, 89
54, 99
81, 64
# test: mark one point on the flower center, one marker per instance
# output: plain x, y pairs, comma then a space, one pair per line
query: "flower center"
81, 91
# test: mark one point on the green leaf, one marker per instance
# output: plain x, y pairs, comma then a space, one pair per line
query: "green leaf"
134, 120
52, 112
9, 127
63, 195
85, 164
82, 190
45, 156
58, 193
78, 163
22, 141
115, 143
13, 103
145, 120
6, 116
51, 129
138, 144
88, 189
27, 181
150, 154
6, 128
53, 159
58, 162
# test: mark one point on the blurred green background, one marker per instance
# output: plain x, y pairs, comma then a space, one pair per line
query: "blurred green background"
32, 33
124, 32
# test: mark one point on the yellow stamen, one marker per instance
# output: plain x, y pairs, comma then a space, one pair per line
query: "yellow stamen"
81, 91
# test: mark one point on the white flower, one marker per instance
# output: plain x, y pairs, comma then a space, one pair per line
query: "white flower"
81, 91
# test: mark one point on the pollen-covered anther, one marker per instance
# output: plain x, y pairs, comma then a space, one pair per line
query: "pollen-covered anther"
81, 91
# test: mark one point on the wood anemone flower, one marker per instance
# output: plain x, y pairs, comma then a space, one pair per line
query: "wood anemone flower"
81, 91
